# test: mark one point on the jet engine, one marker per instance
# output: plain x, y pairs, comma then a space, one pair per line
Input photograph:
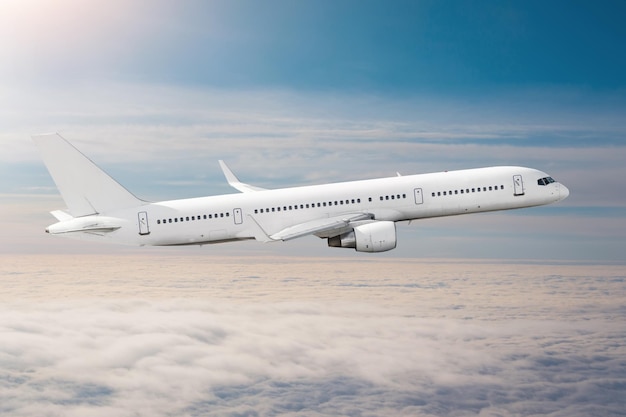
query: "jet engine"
371, 237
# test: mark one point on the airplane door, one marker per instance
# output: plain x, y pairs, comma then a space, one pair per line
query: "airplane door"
144, 228
238, 216
419, 198
518, 185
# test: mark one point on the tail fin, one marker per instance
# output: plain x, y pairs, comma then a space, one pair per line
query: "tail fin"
85, 188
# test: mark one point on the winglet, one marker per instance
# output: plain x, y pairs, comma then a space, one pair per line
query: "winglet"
234, 182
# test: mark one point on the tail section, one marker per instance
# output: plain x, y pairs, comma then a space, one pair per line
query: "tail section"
85, 188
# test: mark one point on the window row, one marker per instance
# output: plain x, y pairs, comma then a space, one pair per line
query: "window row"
392, 197
193, 218
304, 206
468, 190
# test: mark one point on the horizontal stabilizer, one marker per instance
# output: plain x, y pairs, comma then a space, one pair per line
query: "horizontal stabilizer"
89, 224
61, 216
234, 182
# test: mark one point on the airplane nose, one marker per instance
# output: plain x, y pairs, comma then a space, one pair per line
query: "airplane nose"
563, 192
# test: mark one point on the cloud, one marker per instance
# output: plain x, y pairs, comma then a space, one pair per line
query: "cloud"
163, 358
288, 136
127, 336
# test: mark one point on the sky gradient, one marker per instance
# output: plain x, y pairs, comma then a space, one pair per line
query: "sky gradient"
312, 92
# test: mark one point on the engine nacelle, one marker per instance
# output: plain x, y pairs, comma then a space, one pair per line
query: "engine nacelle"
371, 237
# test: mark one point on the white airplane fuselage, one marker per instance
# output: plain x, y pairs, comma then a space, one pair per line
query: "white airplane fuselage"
334, 211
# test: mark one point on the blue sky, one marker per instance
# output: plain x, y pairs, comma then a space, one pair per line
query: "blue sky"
402, 47
306, 92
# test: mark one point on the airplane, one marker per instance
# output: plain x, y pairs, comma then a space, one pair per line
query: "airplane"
360, 215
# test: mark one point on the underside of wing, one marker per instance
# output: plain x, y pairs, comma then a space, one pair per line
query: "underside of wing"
325, 227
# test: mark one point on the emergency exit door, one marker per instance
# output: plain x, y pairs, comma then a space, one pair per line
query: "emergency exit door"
144, 228
518, 185
419, 198
238, 216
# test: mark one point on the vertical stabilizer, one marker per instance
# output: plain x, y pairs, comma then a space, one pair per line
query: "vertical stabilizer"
85, 188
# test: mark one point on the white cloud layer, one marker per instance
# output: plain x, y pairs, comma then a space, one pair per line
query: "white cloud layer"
95, 336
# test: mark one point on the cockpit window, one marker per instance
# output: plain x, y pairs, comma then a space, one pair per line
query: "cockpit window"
545, 181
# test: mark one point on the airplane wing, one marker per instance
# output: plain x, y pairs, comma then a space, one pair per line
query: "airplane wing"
328, 226
234, 182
